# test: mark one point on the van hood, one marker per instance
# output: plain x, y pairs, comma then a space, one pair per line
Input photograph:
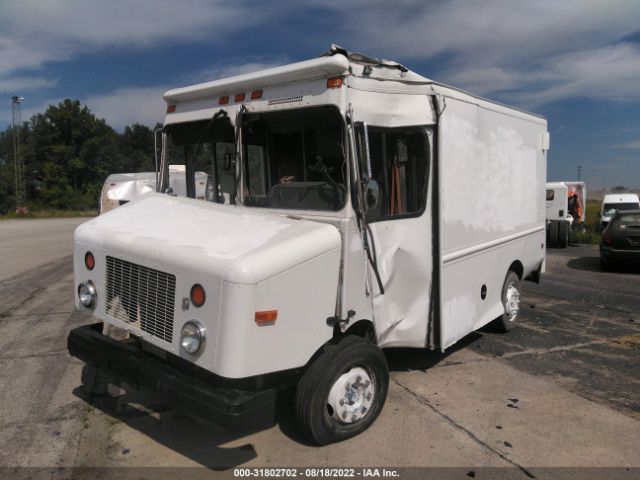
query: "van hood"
230, 242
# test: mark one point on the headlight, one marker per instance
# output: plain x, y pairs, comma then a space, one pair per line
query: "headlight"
87, 294
192, 337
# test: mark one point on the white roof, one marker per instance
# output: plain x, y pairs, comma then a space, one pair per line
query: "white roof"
620, 198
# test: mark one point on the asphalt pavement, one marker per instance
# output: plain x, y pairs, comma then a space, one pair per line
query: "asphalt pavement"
28, 243
561, 390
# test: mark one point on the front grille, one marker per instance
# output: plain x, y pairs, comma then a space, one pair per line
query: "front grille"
141, 296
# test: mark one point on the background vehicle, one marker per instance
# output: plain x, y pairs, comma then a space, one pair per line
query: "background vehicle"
620, 239
121, 188
566, 211
369, 207
614, 202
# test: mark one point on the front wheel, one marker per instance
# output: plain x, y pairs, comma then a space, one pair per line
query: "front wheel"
511, 296
343, 391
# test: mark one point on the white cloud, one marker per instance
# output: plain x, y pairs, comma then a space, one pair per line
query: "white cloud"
609, 73
10, 85
633, 145
121, 107
237, 67
126, 106
33, 32
541, 51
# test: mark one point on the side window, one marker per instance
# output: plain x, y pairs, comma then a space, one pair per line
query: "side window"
550, 195
399, 161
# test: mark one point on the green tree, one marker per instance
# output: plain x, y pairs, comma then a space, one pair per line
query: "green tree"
70, 152
136, 144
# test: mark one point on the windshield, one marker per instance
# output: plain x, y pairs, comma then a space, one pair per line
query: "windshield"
611, 208
294, 160
205, 152
629, 219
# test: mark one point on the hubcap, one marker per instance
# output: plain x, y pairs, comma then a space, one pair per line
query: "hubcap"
512, 305
351, 397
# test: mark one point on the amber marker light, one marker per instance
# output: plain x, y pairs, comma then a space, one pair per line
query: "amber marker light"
171, 108
223, 100
266, 317
89, 261
239, 97
197, 295
335, 82
256, 94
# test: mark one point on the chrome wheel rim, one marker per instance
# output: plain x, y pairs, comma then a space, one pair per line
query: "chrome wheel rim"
351, 396
512, 304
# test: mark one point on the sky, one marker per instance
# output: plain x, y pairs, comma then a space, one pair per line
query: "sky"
576, 62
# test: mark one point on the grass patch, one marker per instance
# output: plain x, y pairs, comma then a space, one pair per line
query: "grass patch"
50, 213
591, 231
587, 236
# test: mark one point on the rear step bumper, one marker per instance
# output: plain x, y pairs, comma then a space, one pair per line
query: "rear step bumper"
183, 386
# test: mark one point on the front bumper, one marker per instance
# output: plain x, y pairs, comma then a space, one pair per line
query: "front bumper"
178, 382
615, 254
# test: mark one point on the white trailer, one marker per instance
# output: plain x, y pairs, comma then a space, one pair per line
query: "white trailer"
370, 207
121, 188
566, 211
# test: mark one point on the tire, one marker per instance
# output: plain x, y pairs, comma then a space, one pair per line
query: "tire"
328, 408
553, 234
606, 265
563, 234
511, 296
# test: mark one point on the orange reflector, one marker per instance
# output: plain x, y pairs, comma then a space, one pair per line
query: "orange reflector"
335, 82
266, 316
239, 97
197, 295
171, 108
223, 100
256, 94
89, 261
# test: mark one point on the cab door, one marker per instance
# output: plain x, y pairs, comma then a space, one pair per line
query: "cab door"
399, 230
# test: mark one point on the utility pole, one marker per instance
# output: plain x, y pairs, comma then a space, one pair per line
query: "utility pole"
579, 173
16, 122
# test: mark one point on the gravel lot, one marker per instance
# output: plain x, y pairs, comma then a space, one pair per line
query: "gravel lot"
562, 390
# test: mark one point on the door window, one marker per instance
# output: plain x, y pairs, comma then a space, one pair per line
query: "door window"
399, 164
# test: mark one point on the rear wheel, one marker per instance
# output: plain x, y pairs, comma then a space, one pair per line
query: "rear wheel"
511, 296
343, 391
553, 234
563, 234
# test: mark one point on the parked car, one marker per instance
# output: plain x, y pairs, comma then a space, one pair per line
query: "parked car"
621, 239
616, 202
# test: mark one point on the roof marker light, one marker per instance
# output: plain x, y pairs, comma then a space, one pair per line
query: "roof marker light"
171, 108
266, 317
223, 100
256, 94
335, 82
239, 97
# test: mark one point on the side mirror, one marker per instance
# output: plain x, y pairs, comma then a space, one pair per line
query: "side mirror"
371, 194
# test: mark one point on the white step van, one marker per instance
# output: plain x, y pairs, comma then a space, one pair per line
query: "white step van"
367, 207
121, 188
